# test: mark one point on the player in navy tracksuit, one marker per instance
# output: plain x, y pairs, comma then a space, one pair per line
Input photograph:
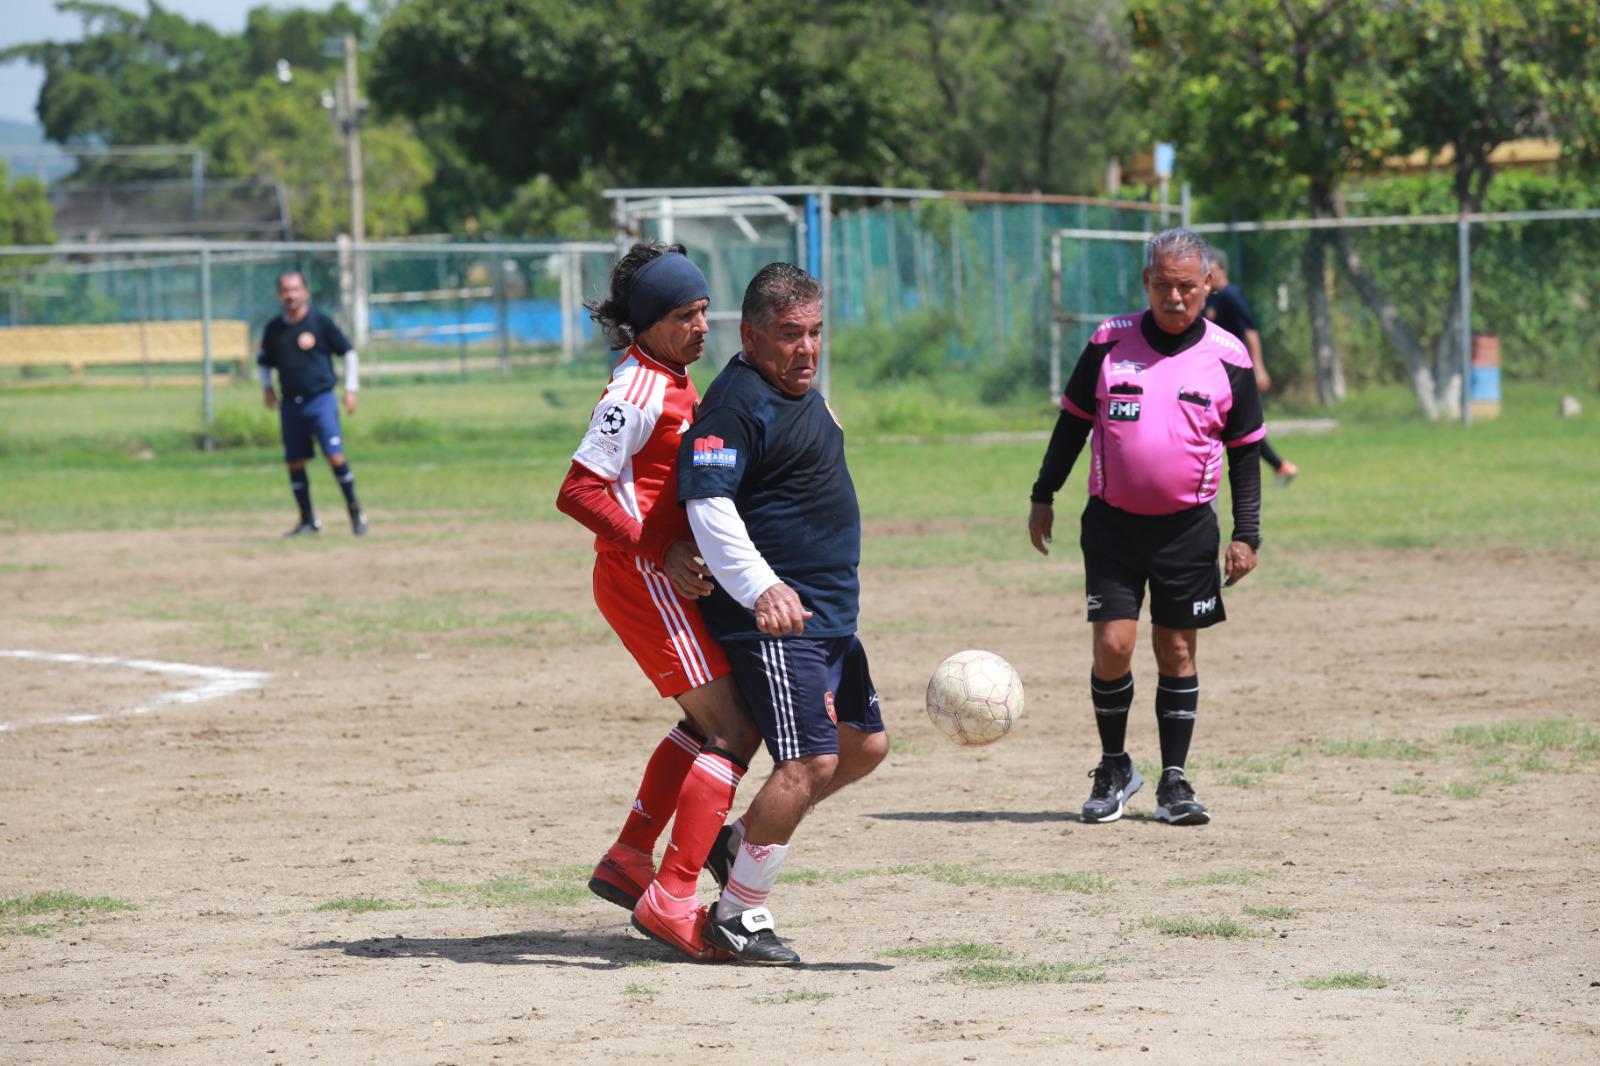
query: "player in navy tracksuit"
301, 344
774, 513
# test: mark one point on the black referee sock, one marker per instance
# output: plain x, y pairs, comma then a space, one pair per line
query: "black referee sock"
347, 484
301, 486
1177, 699
1111, 702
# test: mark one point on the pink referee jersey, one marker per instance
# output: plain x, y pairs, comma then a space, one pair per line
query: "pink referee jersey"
632, 443
1163, 409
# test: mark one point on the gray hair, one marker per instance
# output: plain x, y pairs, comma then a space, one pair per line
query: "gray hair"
1178, 243
776, 288
1219, 258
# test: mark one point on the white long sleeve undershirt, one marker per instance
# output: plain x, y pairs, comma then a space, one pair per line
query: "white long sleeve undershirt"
726, 547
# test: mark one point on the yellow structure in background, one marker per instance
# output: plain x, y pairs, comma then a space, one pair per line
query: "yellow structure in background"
123, 344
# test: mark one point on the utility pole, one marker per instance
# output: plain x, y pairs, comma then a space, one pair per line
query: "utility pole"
348, 109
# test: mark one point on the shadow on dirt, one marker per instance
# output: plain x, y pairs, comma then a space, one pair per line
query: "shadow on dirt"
541, 947
1027, 817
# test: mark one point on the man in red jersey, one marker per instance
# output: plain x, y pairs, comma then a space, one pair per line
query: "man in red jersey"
647, 578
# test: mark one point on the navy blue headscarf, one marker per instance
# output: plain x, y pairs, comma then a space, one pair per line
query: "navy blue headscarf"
666, 282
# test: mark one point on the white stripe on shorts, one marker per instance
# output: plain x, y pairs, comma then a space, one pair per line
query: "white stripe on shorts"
777, 670
678, 628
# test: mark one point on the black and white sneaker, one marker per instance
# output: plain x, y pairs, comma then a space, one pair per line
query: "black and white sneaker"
719, 860
1175, 802
749, 936
358, 521
1114, 783
305, 528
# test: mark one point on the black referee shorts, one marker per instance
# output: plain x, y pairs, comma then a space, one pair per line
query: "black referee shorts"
1176, 554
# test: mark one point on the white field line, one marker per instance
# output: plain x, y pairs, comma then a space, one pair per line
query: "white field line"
213, 681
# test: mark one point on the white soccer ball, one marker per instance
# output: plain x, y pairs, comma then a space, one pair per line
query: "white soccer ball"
975, 698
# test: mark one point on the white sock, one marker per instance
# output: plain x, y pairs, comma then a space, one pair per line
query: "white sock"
755, 871
738, 833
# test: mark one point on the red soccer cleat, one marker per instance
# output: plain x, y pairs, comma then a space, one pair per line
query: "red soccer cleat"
622, 875
685, 930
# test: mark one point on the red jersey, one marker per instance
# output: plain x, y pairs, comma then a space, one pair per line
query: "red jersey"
632, 444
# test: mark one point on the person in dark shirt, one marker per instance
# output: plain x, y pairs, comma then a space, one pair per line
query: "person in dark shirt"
300, 344
1166, 394
775, 516
1226, 307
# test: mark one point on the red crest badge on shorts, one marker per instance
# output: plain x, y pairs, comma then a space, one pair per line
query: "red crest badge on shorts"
307, 341
827, 701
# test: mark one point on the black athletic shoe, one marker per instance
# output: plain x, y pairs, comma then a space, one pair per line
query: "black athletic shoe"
749, 937
358, 521
719, 860
304, 528
1175, 802
1114, 783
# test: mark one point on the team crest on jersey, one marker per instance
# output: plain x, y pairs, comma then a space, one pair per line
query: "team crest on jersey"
307, 341
709, 451
612, 421
1123, 410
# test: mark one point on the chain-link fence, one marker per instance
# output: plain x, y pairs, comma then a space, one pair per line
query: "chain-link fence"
919, 282
1398, 299
408, 307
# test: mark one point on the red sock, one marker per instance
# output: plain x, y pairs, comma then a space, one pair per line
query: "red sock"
702, 808
658, 792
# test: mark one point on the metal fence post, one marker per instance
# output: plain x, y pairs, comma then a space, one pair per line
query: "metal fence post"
1055, 315
825, 247
1464, 270
997, 278
207, 442
502, 325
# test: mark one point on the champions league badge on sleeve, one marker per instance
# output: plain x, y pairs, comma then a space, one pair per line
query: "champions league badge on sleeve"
708, 451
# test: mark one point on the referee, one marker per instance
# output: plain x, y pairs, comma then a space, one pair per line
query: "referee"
300, 344
1165, 393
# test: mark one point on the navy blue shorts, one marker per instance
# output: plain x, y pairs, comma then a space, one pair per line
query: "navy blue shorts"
800, 690
315, 419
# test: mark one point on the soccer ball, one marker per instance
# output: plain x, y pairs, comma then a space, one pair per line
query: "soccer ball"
975, 697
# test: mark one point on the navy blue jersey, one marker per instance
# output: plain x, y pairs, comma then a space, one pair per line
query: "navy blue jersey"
780, 458
1226, 307
303, 354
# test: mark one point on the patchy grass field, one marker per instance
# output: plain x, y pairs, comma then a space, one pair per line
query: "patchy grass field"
381, 854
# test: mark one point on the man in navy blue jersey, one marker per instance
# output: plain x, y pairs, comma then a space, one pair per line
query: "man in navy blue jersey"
1226, 307
774, 514
300, 344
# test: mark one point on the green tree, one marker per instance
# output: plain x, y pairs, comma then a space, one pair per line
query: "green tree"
992, 94
720, 92
1278, 101
283, 132
25, 213
1472, 75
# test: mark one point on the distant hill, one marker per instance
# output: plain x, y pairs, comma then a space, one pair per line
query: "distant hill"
30, 135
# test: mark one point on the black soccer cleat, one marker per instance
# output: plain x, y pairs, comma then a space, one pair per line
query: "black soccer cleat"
1114, 784
719, 860
750, 937
305, 528
1175, 802
358, 521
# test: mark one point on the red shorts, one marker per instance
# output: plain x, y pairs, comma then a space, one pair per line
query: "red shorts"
662, 630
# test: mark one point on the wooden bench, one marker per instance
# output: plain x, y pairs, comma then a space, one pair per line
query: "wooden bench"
122, 344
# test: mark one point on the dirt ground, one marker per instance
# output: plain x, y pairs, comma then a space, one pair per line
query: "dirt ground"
447, 728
